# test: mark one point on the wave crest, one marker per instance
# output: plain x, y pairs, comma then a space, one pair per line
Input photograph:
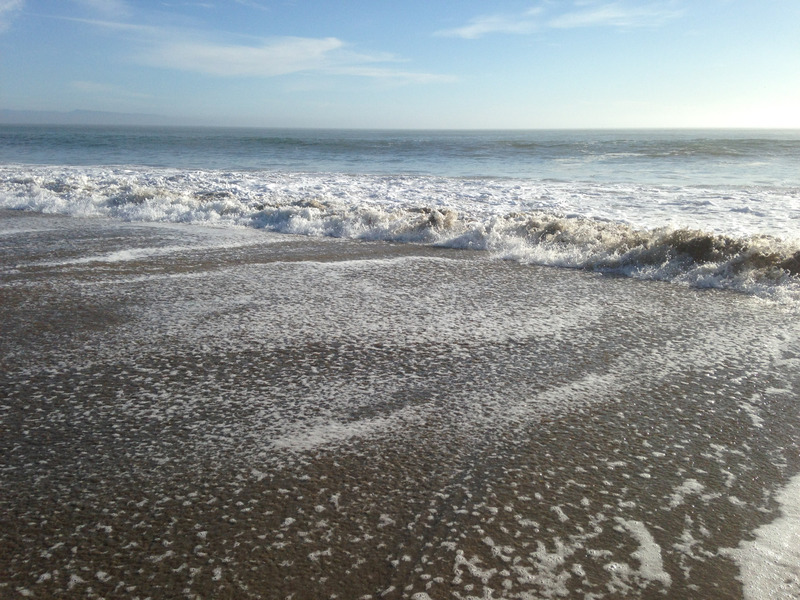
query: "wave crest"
476, 216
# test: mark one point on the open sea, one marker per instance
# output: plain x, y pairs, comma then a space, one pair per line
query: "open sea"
380, 364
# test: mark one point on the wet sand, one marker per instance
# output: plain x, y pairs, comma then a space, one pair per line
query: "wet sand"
191, 412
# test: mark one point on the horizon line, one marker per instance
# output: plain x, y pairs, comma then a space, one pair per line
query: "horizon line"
106, 119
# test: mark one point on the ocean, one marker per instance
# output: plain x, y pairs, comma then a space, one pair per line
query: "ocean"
380, 364
703, 208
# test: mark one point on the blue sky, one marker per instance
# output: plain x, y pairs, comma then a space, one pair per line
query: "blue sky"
410, 64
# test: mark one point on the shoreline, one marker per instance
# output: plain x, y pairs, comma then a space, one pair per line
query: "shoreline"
197, 412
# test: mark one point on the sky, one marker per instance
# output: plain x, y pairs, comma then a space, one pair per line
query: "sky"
421, 64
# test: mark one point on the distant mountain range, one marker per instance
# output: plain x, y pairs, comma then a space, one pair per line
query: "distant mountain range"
83, 117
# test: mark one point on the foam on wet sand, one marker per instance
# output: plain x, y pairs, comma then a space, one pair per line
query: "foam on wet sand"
226, 412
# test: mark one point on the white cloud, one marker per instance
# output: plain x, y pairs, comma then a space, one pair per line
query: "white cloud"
185, 51
616, 14
582, 14
7, 9
393, 75
109, 8
252, 4
486, 24
9, 5
276, 57
118, 26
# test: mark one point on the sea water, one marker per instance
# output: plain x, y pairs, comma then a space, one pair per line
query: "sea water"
218, 378
702, 208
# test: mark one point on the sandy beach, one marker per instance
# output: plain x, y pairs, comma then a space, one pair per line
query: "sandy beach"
191, 412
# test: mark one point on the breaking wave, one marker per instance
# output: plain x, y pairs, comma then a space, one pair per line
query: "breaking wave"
510, 223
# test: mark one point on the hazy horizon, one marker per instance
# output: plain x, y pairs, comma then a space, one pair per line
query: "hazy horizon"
79, 117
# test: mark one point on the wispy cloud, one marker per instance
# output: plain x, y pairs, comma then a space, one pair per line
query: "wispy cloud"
7, 10
252, 4
147, 30
486, 24
107, 8
617, 14
186, 3
387, 74
192, 51
579, 14
277, 56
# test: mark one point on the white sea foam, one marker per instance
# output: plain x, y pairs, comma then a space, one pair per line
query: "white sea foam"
341, 327
213, 196
651, 566
694, 235
770, 564
133, 254
687, 488
118, 256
